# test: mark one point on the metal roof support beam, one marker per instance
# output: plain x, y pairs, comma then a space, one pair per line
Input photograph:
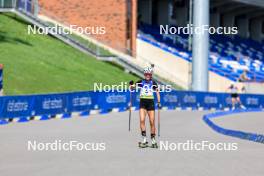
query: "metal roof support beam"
200, 46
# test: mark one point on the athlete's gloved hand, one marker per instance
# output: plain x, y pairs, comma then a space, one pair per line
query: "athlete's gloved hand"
159, 105
131, 82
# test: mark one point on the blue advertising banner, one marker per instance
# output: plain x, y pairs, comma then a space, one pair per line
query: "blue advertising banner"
212, 100
17, 106
170, 99
135, 99
82, 101
189, 99
252, 101
52, 104
109, 100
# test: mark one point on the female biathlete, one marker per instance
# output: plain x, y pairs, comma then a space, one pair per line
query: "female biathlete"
147, 88
235, 97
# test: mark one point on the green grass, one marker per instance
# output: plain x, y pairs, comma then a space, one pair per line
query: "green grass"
100, 51
42, 64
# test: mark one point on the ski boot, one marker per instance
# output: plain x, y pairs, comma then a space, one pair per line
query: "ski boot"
144, 142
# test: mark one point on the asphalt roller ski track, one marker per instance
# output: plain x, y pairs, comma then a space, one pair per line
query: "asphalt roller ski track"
122, 155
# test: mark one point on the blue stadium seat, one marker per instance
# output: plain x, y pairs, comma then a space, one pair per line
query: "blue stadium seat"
234, 55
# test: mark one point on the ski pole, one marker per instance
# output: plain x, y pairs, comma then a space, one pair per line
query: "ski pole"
158, 122
130, 109
130, 105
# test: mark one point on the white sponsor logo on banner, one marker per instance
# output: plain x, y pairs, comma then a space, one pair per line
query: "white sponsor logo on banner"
210, 100
52, 104
171, 98
13, 106
252, 101
83, 101
228, 100
189, 99
116, 99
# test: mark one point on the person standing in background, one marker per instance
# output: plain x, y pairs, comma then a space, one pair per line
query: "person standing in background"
244, 77
235, 97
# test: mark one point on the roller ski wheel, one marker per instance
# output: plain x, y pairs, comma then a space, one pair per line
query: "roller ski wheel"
154, 146
243, 107
143, 145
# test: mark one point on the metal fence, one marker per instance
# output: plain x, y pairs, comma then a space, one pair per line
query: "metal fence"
22, 4
7, 3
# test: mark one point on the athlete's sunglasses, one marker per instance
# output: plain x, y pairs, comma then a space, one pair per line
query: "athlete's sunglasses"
148, 74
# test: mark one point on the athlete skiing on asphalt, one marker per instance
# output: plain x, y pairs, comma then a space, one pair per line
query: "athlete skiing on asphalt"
147, 88
235, 97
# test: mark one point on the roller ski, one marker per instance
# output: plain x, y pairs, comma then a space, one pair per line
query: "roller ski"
243, 107
143, 145
154, 146
153, 143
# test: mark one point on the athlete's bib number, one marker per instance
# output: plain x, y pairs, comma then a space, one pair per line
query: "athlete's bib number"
146, 92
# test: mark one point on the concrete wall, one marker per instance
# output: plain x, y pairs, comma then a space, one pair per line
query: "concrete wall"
178, 68
257, 88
